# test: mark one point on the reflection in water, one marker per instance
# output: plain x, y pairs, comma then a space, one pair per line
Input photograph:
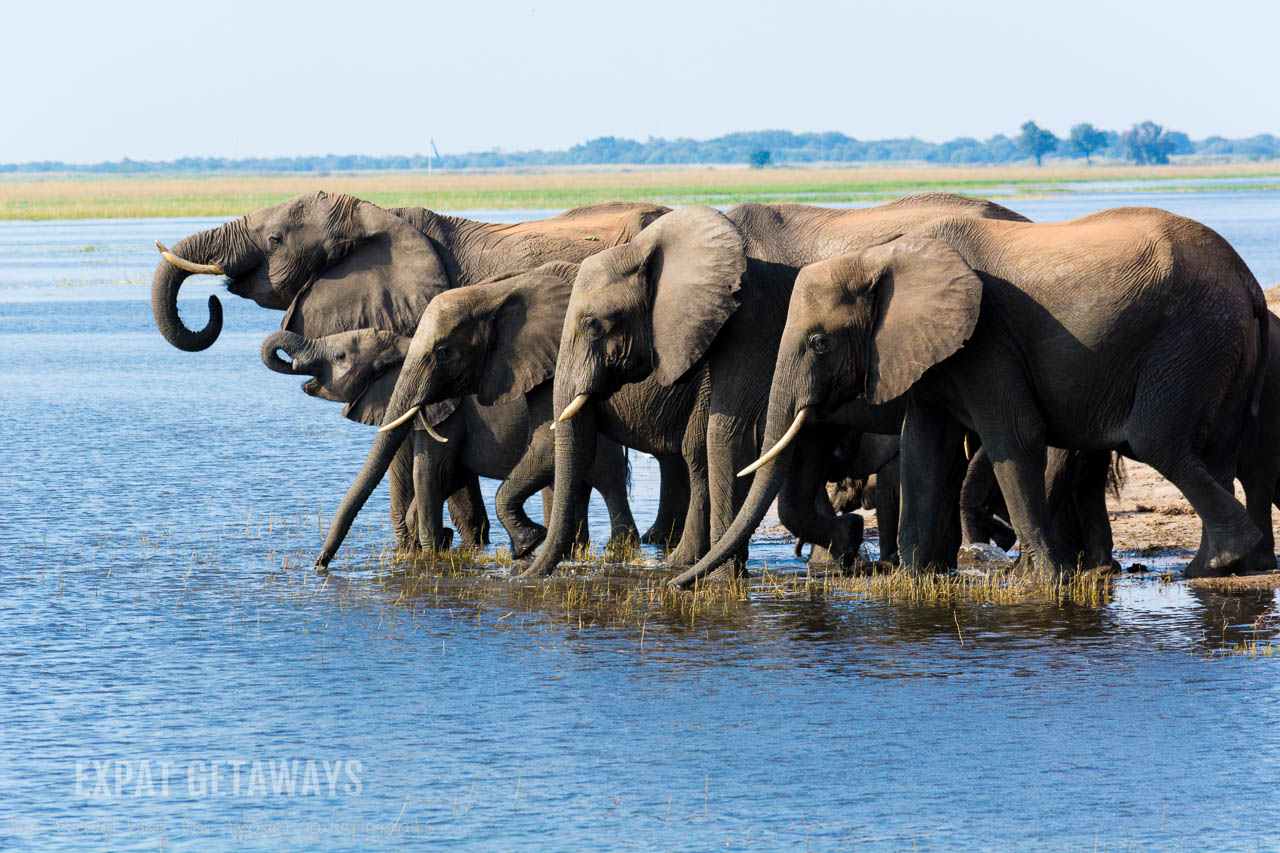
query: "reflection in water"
161, 512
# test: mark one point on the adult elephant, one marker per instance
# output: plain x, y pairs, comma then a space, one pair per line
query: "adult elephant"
698, 289
499, 341
486, 437
1131, 329
338, 263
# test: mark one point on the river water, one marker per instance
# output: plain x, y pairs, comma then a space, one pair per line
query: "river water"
174, 676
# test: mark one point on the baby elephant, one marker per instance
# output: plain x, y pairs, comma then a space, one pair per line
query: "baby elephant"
361, 367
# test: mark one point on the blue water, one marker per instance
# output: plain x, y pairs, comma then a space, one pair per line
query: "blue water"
160, 511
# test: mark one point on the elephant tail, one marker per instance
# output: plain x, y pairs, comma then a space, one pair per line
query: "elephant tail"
1263, 318
1116, 475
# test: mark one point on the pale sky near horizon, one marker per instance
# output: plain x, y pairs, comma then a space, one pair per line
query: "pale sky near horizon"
239, 78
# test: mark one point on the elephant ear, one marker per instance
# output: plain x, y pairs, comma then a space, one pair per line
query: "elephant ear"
389, 271
927, 300
528, 318
371, 407
693, 260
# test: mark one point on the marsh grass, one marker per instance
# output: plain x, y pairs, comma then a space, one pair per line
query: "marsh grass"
80, 197
595, 590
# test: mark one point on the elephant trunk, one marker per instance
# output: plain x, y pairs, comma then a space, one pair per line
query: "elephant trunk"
780, 428
290, 342
375, 468
575, 451
218, 249
385, 445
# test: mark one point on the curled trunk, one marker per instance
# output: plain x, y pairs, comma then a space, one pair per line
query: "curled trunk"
226, 246
290, 342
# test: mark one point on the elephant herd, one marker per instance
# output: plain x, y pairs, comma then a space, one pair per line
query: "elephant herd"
967, 373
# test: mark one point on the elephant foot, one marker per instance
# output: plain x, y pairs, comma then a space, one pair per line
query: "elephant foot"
441, 543
655, 535
1240, 556
682, 556
526, 539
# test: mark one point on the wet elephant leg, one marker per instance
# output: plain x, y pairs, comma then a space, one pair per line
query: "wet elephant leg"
401, 482
673, 503
609, 476
931, 467
467, 512
695, 536
430, 471
731, 446
888, 507
533, 473
1076, 488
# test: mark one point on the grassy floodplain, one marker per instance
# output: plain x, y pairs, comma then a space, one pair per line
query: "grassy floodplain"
94, 197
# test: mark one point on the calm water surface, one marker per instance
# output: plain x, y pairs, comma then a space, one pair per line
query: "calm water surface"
159, 512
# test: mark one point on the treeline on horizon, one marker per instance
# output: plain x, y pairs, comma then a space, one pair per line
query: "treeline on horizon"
1146, 142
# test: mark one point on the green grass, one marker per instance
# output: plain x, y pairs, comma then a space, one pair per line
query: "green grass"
72, 197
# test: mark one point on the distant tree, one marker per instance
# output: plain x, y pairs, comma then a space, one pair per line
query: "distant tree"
760, 158
1147, 143
1035, 141
1086, 139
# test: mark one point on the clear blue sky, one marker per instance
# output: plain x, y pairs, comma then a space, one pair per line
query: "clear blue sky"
158, 80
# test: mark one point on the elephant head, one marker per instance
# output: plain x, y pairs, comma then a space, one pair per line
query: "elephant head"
497, 340
863, 325
336, 262
358, 368
652, 305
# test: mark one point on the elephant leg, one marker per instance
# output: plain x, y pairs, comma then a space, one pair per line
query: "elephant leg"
429, 473
731, 446
805, 485
1229, 537
1018, 455
533, 473
888, 506
979, 480
609, 477
468, 514
673, 503
581, 512
1076, 488
931, 467
695, 537
401, 482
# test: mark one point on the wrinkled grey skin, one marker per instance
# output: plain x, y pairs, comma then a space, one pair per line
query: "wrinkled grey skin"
1131, 330
485, 440
499, 341
698, 289
337, 264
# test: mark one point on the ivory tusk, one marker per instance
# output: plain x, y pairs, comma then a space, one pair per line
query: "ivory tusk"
574, 407
780, 446
437, 436
400, 420
968, 445
189, 266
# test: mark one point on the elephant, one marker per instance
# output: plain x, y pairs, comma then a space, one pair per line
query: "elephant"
699, 289
862, 474
336, 263
1131, 329
499, 341
488, 440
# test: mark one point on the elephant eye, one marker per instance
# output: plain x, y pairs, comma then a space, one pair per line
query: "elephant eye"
443, 353
592, 328
342, 356
274, 240
819, 344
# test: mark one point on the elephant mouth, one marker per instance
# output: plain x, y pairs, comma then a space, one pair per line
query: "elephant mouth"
312, 387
